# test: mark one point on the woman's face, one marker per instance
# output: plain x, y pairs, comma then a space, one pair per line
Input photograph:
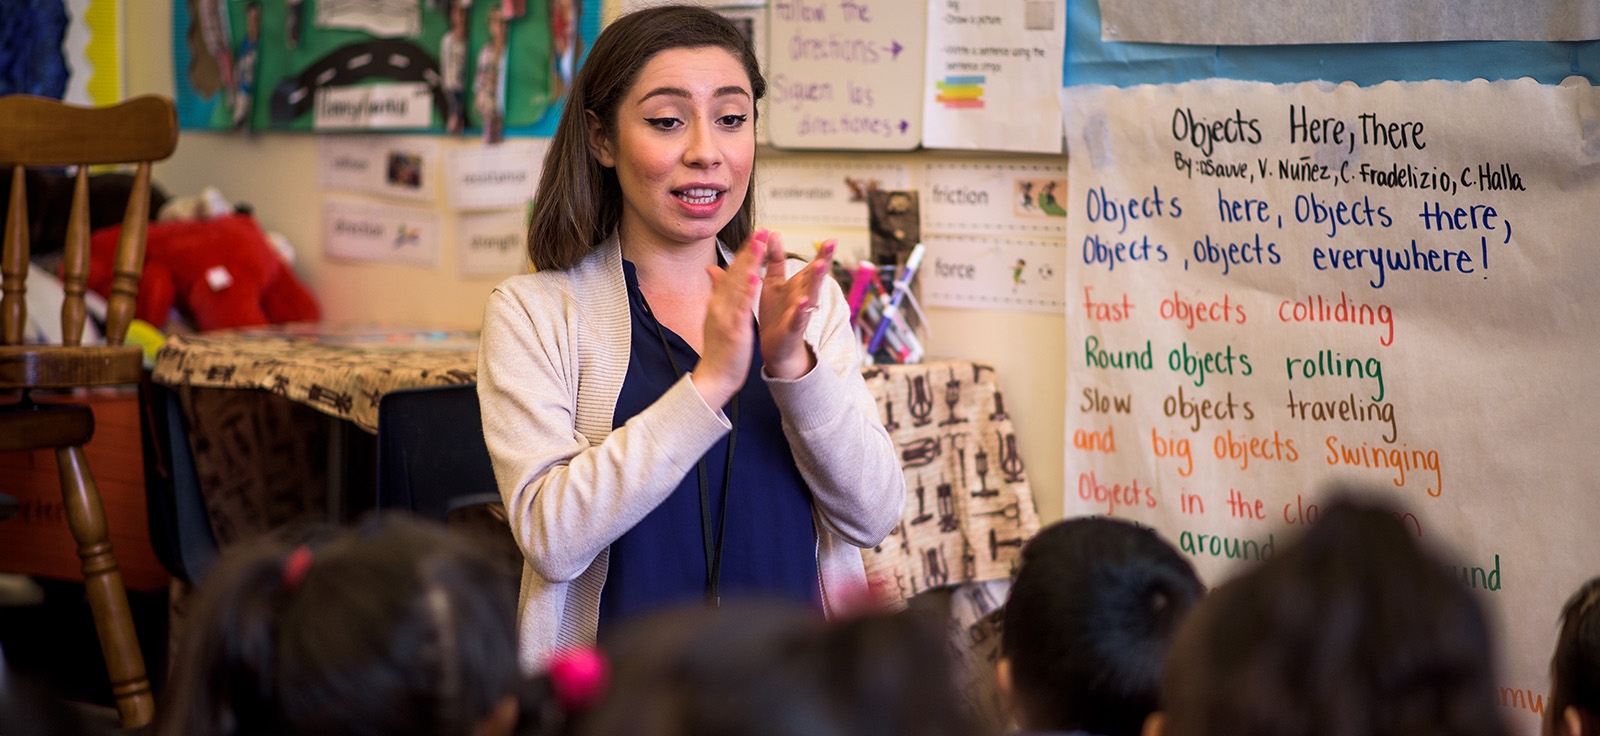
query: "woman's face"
683, 148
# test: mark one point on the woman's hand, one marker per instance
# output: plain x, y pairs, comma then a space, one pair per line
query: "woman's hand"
786, 306
729, 336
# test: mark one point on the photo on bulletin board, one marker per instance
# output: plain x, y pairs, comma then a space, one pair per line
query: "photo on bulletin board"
490, 68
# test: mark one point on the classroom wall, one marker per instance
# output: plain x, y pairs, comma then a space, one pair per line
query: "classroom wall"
277, 174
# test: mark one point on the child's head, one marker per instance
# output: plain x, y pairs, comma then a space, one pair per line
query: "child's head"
397, 627
1091, 612
1355, 630
769, 670
1574, 706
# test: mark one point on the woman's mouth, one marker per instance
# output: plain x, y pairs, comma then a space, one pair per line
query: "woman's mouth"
697, 195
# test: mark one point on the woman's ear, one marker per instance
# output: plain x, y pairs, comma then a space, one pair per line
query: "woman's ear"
599, 143
1155, 724
502, 719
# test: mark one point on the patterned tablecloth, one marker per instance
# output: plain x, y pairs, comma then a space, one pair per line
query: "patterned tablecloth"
968, 504
340, 372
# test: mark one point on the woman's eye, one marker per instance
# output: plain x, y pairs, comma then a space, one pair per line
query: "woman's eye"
663, 123
732, 121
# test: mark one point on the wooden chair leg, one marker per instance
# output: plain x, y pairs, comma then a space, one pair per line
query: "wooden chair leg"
108, 600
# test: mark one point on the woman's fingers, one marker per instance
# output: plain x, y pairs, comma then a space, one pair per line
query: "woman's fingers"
817, 270
775, 258
786, 306
725, 360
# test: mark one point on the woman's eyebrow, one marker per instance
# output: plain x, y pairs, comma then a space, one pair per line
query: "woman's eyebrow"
731, 89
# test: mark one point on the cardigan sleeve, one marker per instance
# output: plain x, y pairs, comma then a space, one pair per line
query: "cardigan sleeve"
568, 496
839, 443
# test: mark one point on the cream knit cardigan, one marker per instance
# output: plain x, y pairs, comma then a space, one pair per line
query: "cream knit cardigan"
554, 353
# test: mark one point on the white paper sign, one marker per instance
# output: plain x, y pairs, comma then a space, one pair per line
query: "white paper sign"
846, 74
388, 165
1277, 287
629, 6
989, 65
1001, 199
494, 177
378, 17
390, 106
994, 273
822, 191
364, 231
492, 243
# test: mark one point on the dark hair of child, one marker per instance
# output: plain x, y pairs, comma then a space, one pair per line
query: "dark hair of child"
1574, 706
755, 669
1355, 630
1091, 612
394, 628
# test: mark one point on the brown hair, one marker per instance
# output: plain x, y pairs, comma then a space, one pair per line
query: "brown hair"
395, 627
1356, 630
766, 668
579, 202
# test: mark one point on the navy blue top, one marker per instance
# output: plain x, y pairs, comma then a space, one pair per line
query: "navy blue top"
771, 545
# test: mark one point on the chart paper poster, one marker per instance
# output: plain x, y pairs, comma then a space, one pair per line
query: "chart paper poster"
1275, 287
988, 60
822, 191
390, 165
994, 273
846, 74
495, 176
1282, 22
364, 231
1008, 199
492, 243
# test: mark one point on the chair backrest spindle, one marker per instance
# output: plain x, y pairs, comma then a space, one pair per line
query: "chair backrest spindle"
75, 267
129, 263
14, 263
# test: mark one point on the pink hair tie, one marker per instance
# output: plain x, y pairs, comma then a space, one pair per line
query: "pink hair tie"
578, 677
296, 567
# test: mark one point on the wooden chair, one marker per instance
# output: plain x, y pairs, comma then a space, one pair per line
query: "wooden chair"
40, 132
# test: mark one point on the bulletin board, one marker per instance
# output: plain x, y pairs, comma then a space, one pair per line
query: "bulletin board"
1276, 284
375, 65
68, 50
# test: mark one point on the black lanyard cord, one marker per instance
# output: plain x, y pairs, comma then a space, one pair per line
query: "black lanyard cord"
713, 543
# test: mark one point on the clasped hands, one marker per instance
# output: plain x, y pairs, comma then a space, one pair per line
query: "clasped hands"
786, 304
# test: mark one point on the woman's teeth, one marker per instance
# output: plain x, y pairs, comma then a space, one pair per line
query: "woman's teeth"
697, 196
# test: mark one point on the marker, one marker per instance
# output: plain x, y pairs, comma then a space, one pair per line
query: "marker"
901, 284
865, 276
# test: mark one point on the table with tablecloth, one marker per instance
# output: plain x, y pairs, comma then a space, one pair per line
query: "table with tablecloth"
968, 504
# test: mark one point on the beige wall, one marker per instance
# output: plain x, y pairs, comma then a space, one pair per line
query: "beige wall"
277, 174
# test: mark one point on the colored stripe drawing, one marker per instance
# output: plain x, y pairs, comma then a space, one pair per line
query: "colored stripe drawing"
961, 92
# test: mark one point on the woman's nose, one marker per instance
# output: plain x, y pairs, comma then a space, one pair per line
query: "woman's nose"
702, 150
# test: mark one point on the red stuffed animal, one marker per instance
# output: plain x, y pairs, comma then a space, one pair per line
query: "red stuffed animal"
221, 272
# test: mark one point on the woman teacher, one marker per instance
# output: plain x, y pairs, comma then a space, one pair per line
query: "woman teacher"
674, 409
